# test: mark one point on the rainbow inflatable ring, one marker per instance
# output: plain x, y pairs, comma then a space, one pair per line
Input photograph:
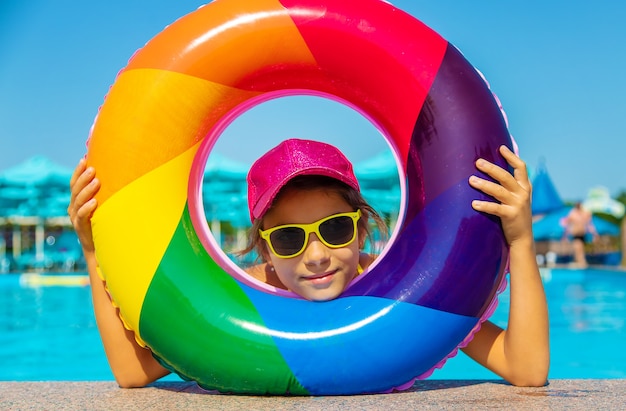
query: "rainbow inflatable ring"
201, 316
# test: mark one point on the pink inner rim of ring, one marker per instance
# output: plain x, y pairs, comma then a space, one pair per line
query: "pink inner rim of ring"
196, 208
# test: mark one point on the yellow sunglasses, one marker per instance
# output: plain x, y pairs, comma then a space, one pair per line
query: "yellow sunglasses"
334, 231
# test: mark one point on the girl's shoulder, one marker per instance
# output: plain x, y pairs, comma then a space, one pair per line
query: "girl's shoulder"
365, 260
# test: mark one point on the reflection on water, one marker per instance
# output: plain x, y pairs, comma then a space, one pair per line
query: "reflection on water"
47, 332
590, 308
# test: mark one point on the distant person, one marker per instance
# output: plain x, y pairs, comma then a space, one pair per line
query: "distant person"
578, 224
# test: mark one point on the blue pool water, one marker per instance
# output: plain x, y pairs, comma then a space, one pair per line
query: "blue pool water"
49, 332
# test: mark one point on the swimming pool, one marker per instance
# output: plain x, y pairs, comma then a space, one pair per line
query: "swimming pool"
48, 332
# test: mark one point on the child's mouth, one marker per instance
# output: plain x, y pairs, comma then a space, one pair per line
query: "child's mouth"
321, 279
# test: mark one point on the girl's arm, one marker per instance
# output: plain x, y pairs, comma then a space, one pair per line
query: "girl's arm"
521, 353
132, 365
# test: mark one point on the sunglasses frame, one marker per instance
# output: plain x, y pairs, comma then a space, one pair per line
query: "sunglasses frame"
313, 227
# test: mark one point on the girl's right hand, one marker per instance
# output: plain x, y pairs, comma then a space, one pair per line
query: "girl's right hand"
83, 186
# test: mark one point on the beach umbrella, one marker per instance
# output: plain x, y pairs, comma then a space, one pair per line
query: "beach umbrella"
545, 198
384, 201
37, 170
381, 167
13, 199
36, 187
219, 166
380, 182
18, 193
599, 201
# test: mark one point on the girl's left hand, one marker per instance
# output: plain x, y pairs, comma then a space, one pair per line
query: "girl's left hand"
513, 195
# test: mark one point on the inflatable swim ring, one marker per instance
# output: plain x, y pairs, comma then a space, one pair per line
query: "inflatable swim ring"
204, 318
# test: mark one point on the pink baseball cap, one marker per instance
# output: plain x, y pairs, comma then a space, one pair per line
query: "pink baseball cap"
291, 158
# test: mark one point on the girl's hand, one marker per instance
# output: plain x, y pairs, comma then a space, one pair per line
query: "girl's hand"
132, 365
83, 186
513, 193
521, 353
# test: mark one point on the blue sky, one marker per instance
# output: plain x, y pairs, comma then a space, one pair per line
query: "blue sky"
557, 67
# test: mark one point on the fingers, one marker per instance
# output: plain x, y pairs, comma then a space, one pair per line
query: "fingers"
493, 190
496, 172
520, 171
85, 203
488, 207
80, 167
499, 190
508, 190
76, 183
503, 177
83, 185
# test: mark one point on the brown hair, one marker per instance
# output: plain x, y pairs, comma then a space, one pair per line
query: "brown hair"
314, 182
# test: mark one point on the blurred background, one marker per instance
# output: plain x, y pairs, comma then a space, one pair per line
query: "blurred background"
555, 67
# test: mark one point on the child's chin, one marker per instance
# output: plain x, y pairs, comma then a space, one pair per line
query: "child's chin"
326, 295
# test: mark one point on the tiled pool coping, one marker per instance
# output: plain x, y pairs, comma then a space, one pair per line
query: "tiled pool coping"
424, 395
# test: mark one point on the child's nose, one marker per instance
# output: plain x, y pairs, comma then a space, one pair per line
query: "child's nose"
316, 252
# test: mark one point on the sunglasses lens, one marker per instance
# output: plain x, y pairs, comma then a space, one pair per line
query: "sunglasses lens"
287, 241
338, 230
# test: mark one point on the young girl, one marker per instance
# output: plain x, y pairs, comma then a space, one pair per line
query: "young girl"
314, 183
309, 225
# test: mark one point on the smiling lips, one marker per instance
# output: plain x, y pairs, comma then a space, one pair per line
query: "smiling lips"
321, 279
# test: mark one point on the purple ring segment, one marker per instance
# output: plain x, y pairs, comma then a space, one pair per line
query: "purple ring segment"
447, 256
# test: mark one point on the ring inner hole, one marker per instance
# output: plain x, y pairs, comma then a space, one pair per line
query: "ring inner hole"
263, 126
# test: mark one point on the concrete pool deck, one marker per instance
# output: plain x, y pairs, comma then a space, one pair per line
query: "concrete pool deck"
424, 395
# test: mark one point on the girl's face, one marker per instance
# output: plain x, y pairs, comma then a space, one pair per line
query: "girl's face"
320, 273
